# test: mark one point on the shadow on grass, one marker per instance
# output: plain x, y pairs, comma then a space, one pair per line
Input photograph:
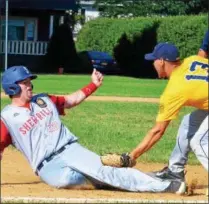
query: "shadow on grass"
129, 54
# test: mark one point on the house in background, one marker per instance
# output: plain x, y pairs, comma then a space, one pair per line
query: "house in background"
89, 11
30, 26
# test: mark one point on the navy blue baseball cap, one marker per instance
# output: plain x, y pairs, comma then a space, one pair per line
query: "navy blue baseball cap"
205, 42
166, 51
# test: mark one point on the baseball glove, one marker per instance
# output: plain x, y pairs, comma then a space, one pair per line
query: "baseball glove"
118, 160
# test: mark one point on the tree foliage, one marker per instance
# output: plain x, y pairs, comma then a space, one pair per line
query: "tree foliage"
134, 8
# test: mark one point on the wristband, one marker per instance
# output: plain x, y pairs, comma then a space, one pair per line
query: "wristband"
89, 89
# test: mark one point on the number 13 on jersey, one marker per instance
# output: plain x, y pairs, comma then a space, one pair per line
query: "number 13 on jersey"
198, 71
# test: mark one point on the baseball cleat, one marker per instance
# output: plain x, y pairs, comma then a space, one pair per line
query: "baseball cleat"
167, 174
177, 187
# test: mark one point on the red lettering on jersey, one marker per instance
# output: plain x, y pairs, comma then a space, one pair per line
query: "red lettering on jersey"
42, 113
33, 120
22, 130
26, 126
30, 121
47, 111
39, 116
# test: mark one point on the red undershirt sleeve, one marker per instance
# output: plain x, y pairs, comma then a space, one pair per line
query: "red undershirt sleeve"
5, 137
59, 102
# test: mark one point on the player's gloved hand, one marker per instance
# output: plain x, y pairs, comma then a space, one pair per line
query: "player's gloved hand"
118, 160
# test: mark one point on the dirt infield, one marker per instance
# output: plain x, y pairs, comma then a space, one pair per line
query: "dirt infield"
18, 180
122, 99
113, 98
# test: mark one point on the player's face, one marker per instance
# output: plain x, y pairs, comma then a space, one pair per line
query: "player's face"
26, 89
159, 65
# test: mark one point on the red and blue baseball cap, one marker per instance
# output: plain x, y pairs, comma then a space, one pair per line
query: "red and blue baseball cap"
166, 51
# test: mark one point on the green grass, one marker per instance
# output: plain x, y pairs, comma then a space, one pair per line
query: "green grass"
112, 86
106, 127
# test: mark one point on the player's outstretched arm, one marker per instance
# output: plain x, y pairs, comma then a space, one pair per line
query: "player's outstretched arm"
129, 159
152, 137
77, 97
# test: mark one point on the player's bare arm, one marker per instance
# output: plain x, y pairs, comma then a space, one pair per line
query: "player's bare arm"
150, 139
77, 97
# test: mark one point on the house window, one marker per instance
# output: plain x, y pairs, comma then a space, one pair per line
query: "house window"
30, 33
20, 29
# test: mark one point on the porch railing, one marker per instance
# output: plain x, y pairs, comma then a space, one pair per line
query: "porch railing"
24, 47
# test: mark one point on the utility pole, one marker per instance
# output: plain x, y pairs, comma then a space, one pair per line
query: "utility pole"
6, 34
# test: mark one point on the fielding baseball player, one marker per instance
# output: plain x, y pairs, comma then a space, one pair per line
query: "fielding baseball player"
32, 124
187, 86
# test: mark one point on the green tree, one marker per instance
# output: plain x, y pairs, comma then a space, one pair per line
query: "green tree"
129, 8
197, 6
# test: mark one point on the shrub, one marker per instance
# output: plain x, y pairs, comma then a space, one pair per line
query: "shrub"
186, 32
129, 39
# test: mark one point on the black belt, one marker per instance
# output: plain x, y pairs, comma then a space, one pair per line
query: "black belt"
53, 155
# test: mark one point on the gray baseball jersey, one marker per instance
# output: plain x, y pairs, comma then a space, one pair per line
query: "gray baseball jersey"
37, 132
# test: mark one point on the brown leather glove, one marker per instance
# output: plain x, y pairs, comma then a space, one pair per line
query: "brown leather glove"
118, 160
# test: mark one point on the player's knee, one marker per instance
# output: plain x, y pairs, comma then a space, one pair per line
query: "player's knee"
199, 143
71, 179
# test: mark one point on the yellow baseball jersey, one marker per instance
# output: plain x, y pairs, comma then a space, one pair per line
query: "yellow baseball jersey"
187, 86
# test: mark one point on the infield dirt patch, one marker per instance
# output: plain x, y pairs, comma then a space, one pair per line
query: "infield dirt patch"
18, 180
113, 98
